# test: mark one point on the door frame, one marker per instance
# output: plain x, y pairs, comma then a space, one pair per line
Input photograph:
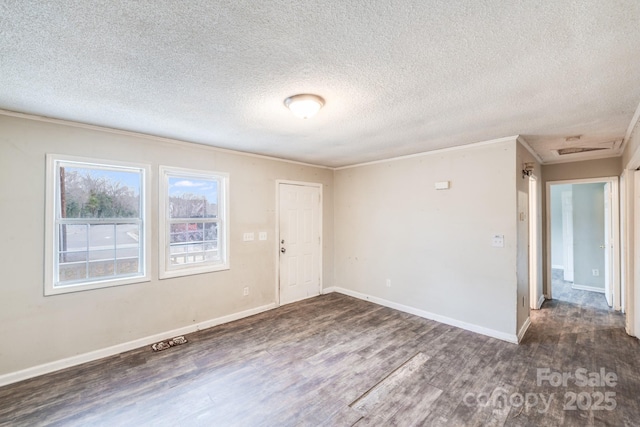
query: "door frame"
277, 232
615, 231
536, 294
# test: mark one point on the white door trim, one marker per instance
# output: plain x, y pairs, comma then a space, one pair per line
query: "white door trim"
567, 235
277, 232
536, 297
615, 214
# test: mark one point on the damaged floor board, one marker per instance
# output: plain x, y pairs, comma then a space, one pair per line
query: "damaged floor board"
383, 391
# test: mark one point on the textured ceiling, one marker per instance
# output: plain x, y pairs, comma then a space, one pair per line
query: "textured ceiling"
398, 77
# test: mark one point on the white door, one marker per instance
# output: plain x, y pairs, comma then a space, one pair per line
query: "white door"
567, 235
607, 245
300, 242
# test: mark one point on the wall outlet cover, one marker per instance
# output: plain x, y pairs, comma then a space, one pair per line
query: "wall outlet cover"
497, 241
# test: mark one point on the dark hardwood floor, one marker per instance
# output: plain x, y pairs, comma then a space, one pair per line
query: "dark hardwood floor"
337, 361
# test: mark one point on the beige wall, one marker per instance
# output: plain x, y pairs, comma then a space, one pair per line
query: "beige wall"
435, 246
582, 170
38, 329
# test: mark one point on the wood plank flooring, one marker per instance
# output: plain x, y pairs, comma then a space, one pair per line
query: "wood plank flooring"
337, 361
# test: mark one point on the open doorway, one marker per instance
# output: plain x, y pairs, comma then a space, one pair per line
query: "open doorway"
583, 230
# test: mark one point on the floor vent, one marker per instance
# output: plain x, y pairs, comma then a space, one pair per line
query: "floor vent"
163, 345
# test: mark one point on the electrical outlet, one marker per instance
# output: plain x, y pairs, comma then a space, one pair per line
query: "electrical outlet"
595, 272
497, 241
245, 291
388, 283
262, 235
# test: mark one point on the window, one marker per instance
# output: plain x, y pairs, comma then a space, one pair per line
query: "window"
96, 225
193, 215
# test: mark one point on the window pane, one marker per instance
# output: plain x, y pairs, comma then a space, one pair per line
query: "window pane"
101, 268
178, 233
127, 241
211, 251
193, 198
72, 243
73, 271
186, 253
211, 231
127, 266
101, 236
94, 192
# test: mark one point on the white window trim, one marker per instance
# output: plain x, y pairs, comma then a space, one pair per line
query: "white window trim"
50, 226
166, 271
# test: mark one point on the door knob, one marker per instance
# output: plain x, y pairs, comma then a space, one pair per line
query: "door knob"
283, 250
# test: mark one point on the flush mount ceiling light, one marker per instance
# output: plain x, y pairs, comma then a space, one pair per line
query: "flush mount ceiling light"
304, 105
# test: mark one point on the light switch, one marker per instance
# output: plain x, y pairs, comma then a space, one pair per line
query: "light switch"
248, 237
497, 241
442, 185
262, 235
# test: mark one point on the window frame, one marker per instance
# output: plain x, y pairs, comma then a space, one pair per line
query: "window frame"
52, 222
164, 220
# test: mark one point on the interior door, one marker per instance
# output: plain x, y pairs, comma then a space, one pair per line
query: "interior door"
567, 235
608, 245
300, 241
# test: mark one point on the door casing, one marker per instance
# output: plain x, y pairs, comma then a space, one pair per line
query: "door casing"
615, 232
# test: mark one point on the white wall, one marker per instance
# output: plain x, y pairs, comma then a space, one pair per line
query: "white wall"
631, 240
523, 302
435, 246
557, 251
36, 330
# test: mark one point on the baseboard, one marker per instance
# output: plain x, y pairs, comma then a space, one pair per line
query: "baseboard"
523, 329
540, 302
57, 365
512, 338
587, 288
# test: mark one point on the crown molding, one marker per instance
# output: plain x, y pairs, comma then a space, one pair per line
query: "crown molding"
632, 126
432, 152
151, 137
530, 149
